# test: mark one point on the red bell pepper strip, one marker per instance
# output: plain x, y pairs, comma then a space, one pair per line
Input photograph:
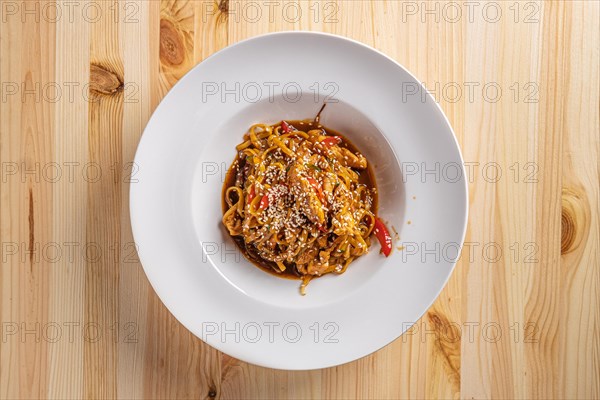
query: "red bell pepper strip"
383, 235
285, 127
331, 140
317, 188
264, 202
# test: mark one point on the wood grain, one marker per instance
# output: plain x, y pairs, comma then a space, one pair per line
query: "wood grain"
79, 318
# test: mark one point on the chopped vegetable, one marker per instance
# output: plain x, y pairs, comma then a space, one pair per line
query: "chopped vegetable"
331, 140
264, 202
317, 188
313, 166
383, 235
285, 127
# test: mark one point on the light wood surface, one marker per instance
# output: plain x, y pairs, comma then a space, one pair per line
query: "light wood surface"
79, 83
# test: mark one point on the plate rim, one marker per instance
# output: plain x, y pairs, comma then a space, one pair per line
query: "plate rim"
136, 227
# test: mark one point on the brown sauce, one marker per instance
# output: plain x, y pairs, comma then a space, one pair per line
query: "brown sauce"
365, 177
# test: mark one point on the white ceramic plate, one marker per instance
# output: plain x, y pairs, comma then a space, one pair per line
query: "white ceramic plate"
194, 265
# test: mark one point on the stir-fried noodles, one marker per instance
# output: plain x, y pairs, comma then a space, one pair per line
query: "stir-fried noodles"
300, 201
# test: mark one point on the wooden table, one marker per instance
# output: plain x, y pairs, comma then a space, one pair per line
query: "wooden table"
519, 81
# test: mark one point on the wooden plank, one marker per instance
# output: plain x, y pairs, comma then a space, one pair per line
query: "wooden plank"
105, 127
67, 276
27, 143
543, 283
140, 63
580, 227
